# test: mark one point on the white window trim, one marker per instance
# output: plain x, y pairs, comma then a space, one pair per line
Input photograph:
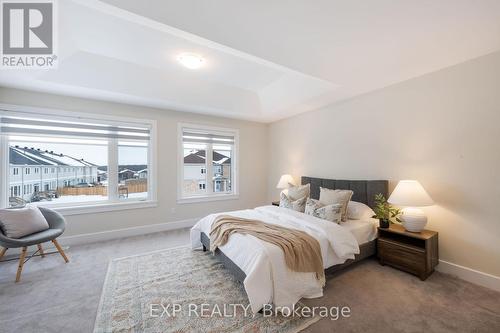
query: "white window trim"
180, 166
100, 207
85, 207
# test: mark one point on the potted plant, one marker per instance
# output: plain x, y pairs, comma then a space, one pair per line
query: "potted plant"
384, 212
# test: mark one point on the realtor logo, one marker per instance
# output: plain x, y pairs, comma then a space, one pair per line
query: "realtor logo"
28, 34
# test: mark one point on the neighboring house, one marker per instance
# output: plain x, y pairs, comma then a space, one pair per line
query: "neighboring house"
125, 174
195, 170
141, 174
102, 176
34, 170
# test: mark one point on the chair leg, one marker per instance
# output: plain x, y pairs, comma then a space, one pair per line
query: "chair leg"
2, 252
40, 249
21, 263
59, 248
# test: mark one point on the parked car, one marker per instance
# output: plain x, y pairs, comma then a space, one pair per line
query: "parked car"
44, 196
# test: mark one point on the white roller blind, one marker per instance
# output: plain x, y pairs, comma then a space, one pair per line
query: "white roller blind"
12, 125
197, 136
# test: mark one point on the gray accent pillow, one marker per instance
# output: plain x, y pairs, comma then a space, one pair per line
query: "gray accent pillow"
297, 205
17, 223
332, 213
330, 197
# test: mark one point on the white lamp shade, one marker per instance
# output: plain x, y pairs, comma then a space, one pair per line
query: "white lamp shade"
285, 182
409, 193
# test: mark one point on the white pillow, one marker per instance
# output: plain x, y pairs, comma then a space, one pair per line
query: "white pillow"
332, 213
297, 205
358, 211
20, 222
330, 197
299, 192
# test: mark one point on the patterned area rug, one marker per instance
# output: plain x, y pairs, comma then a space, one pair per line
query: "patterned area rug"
140, 292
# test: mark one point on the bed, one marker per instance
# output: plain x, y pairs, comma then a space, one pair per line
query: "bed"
252, 262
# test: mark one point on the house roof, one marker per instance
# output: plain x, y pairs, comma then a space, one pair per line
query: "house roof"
194, 159
198, 157
31, 156
220, 158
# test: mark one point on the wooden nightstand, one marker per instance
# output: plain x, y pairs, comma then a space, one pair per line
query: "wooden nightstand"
413, 252
276, 203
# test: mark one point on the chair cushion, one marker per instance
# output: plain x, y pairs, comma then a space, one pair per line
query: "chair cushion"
17, 223
41, 237
37, 238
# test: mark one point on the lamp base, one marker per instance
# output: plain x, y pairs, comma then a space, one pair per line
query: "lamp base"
413, 219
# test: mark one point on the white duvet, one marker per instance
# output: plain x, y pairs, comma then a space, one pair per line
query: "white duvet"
268, 279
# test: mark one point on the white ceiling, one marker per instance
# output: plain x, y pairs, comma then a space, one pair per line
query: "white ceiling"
265, 60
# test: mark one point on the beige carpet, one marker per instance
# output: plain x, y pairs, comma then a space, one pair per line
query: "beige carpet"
384, 299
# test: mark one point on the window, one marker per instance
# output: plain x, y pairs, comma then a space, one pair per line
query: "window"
132, 170
85, 161
17, 190
207, 163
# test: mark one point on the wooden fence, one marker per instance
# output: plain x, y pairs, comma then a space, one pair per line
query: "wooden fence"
96, 190
132, 185
136, 185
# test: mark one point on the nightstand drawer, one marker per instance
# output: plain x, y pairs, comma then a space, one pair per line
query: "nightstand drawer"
403, 256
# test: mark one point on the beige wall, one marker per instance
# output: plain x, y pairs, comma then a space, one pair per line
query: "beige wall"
253, 145
442, 129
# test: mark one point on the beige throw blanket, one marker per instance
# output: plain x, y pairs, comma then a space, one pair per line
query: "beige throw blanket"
302, 252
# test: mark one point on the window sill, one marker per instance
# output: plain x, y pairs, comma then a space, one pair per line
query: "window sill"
103, 207
207, 198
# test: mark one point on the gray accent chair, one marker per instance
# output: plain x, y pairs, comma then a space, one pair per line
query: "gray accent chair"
57, 224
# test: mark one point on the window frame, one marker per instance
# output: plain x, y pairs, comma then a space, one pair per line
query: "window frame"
209, 196
113, 202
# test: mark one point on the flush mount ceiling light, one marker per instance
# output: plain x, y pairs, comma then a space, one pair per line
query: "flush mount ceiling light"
191, 60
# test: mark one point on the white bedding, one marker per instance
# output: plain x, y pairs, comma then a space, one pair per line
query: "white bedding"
268, 280
363, 230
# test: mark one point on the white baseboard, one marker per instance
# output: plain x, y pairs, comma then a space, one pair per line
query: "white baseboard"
126, 232
469, 274
107, 235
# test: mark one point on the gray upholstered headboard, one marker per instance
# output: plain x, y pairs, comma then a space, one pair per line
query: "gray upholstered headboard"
364, 190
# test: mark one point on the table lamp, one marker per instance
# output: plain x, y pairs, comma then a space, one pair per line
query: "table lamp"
285, 182
410, 195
